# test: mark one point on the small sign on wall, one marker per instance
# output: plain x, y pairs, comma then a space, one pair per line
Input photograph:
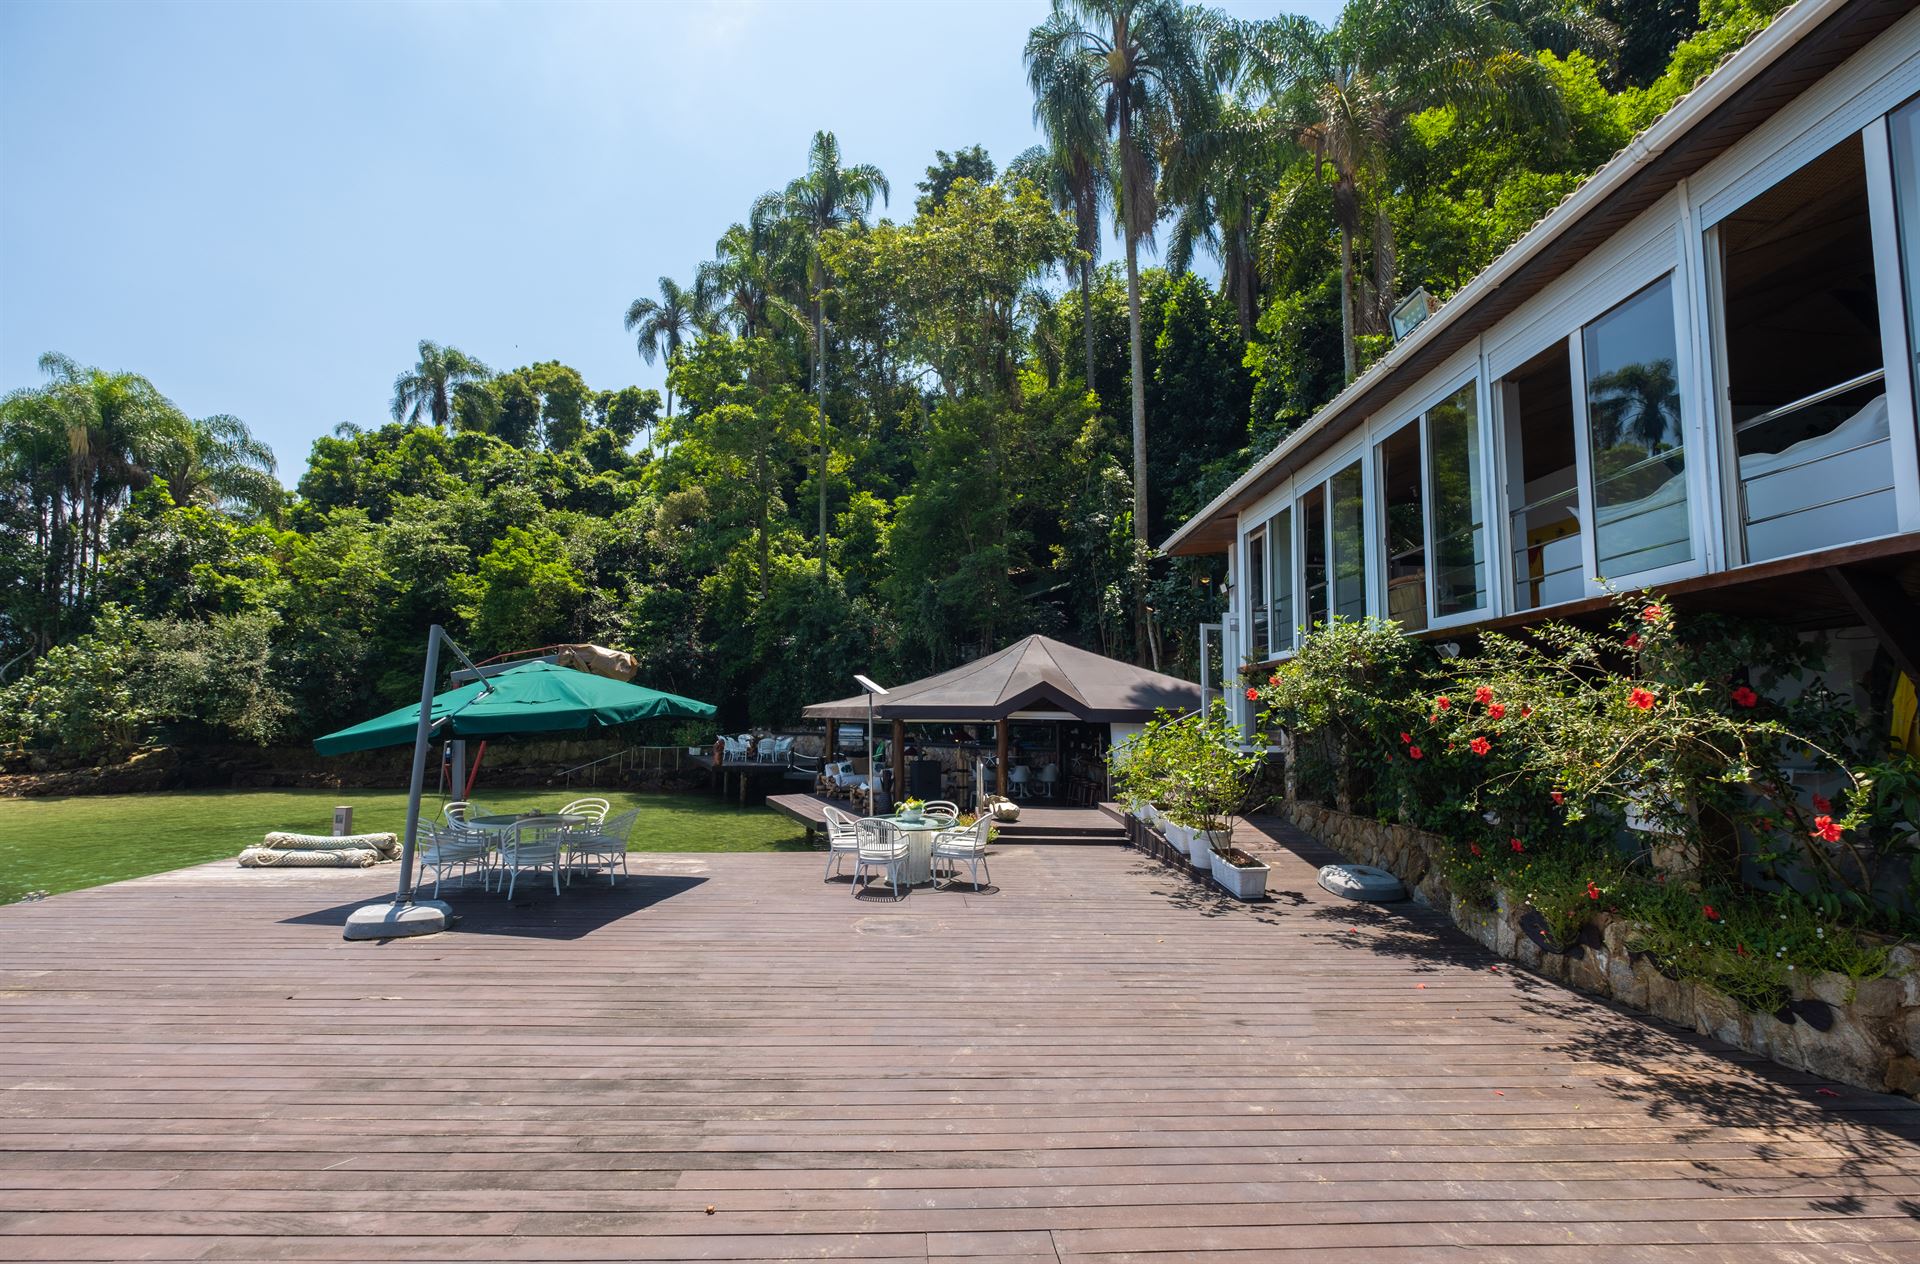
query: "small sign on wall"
342, 821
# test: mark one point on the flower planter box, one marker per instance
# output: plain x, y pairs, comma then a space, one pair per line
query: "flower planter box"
1243, 877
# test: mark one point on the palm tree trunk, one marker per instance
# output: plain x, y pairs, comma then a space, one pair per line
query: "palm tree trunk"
1347, 353
1086, 314
820, 371
1139, 375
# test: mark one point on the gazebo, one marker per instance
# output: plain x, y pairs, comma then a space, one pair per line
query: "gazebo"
1038, 696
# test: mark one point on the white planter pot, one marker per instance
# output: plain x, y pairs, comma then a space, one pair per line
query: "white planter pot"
1249, 883
1200, 847
1178, 836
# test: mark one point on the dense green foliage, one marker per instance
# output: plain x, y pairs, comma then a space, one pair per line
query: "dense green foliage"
887, 445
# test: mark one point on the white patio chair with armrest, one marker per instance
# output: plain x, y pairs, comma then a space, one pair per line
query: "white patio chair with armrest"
1017, 780
594, 810
602, 845
964, 844
446, 849
946, 808
882, 845
457, 812
842, 838
537, 843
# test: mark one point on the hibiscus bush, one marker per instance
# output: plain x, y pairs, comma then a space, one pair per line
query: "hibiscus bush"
1651, 767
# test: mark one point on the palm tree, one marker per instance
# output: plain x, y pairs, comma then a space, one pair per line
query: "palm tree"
1072, 169
1220, 179
217, 461
1145, 63
1346, 93
830, 196
427, 388
662, 326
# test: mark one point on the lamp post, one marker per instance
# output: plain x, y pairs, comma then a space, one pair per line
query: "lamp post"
872, 691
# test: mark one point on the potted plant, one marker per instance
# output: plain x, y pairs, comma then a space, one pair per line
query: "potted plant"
1211, 770
910, 810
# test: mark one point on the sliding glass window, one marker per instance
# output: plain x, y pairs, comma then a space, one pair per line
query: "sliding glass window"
1637, 444
1313, 552
1543, 489
1903, 127
1406, 528
1806, 390
1455, 500
1280, 581
1349, 522
1257, 592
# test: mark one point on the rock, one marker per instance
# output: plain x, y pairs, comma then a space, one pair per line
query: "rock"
1909, 1032
1876, 999
1903, 1075
1720, 1016
1846, 1052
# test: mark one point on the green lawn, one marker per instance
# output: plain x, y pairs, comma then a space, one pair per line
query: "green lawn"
57, 845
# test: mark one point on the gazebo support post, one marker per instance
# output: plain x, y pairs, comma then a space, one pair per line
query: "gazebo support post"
1000, 735
404, 916
899, 761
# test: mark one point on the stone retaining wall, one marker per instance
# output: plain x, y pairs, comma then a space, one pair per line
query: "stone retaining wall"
1865, 1034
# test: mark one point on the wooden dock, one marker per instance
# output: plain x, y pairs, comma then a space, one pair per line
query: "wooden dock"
727, 1058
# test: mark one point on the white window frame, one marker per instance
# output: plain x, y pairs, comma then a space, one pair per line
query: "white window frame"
1275, 650
1377, 516
1697, 507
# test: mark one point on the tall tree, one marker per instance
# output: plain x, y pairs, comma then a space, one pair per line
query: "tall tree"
971, 163
1145, 63
831, 195
427, 388
218, 461
1346, 93
1071, 170
737, 287
662, 326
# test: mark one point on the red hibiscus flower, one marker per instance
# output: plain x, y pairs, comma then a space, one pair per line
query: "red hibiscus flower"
1273, 680
1525, 712
1442, 703
1821, 803
1406, 739
1480, 746
1483, 695
1516, 844
1474, 848
1651, 614
1741, 949
1593, 892
1643, 699
1706, 910
1253, 695
1558, 798
1497, 711
1633, 642
1746, 697
1413, 752
1825, 830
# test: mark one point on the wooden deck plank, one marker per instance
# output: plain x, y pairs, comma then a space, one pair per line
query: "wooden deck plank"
1097, 1059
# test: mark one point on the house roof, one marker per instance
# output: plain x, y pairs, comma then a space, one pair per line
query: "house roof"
1803, 44
1035, 673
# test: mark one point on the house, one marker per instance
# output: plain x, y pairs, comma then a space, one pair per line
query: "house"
1697, 373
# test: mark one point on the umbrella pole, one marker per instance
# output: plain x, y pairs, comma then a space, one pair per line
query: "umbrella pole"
406, 916
422, 742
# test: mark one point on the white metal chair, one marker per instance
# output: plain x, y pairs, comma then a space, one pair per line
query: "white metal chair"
1017, 780
842, 839
537, 843
882, 845
1048, 776
601, 846
594, 810
941, 808
965, 844
457, 812
446, 849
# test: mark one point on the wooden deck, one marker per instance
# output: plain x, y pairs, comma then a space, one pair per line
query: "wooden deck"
728, 1059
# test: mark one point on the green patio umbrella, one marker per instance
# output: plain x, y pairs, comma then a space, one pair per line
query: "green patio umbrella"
530, 698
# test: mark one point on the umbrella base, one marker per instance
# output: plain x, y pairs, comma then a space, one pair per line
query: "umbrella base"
397, 921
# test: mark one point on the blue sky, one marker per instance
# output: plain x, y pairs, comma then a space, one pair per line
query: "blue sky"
264, 207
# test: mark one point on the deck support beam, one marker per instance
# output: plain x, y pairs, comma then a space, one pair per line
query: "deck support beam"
1884, 608
1001, 733
899, 760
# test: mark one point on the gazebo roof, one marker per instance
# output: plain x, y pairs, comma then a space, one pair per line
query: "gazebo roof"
1036, 673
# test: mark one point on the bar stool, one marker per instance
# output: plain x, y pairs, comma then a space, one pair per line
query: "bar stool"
1017, 780
1048, 776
